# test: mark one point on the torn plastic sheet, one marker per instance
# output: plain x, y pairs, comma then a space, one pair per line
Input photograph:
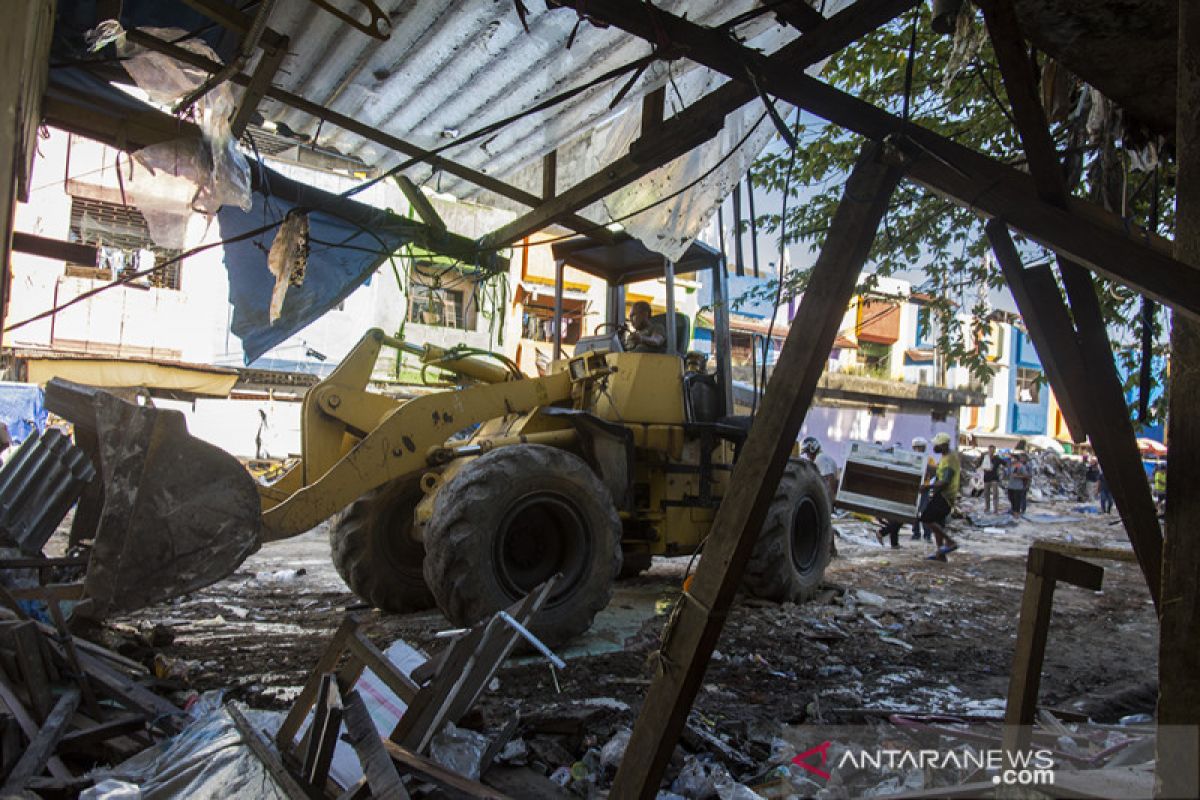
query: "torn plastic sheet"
208, 759
169, 181
715, 166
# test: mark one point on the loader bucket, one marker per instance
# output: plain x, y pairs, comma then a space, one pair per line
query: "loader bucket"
177, 513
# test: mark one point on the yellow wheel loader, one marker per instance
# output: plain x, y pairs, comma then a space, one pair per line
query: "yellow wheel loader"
468, 498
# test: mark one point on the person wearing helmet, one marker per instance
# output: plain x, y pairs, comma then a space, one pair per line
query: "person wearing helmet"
810, 448
943, 491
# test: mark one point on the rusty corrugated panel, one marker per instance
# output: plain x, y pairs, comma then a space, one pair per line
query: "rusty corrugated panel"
38, 485
878, 322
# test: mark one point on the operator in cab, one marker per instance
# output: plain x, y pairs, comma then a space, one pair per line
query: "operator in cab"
646, 336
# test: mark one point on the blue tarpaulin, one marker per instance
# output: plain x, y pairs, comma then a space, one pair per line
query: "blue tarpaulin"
22, 409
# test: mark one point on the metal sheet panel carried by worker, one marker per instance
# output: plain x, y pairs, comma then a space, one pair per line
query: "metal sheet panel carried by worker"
883, 482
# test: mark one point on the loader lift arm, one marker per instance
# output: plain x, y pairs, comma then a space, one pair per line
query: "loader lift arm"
355, 441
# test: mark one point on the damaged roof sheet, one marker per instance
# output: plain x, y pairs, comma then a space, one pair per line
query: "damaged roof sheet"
449, 68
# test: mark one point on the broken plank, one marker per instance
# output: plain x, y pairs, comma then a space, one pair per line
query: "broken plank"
374, 659
327, 720
41, 747
286, 737
9, 698
103, 731
431, 771
132, 695
380, 772
57, 591
27, 642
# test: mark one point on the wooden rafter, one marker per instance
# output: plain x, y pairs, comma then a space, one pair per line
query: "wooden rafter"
1095, 238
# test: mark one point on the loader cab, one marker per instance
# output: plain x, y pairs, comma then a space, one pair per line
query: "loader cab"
703, 385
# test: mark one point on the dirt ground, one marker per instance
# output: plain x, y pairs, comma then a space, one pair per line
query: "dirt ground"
893, 632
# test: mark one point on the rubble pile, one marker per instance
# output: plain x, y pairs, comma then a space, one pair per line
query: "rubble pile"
1055, 476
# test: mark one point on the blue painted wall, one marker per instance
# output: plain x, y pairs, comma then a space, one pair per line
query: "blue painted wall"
1028, 419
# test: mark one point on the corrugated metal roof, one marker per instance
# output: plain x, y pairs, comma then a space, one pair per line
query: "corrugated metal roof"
449, 68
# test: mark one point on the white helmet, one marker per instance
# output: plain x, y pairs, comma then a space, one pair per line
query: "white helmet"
941, 438
920, 441
810, 444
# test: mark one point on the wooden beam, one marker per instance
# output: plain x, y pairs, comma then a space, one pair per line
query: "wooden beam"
433, 772
352, 125
420, 203
654, 108
550, 174
1178, 771
1109, 424
10, 701
695, 627
378, 768
1040, 303
283, 779
700, 121
260, 81
1099, 240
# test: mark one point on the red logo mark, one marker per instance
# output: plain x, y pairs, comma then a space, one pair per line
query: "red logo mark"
822, 751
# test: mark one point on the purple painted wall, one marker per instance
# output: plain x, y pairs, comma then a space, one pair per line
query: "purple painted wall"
837, 427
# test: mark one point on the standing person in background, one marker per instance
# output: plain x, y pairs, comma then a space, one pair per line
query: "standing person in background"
942, 494
810, 448
1018, 484
1106, 498
991, 480
1091, 479
1159, 484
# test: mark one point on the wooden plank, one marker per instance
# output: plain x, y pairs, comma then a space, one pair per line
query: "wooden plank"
1087, 551
374, 659
696, 625
322, 740
286, 737
1049, 327
56, 249
1065, 568
58, 591
1109, 425
28, 725
1098, 239
1179, 623
65, 638
284, 779
550, 174
87, 737
132, 694
27, 643
41, 747
380, 772
1026, 675
420, 203
42, 563
273, 55
431, 771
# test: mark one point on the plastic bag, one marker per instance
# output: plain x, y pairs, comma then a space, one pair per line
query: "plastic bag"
459, 750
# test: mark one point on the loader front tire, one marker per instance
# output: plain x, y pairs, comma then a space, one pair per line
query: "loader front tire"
374, 552
793, 548
510, 520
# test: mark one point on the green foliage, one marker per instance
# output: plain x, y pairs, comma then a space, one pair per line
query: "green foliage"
956, 91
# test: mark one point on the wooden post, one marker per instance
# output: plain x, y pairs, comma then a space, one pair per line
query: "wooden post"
1109, 425
1178, 772
694, 628
1044, 568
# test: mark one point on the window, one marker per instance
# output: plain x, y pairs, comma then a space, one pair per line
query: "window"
875, 357
121, 234
538, 324
434, 305
1029, 384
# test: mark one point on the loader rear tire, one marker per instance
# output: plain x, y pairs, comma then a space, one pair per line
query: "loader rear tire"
510, 520
374, 552
794, 546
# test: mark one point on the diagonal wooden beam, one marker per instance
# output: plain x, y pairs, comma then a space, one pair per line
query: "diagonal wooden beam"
1110, 427
696, 625
1095, 238
703, 119
572, 221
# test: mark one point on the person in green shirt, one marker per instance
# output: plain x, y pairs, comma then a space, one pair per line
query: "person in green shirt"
943, 491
